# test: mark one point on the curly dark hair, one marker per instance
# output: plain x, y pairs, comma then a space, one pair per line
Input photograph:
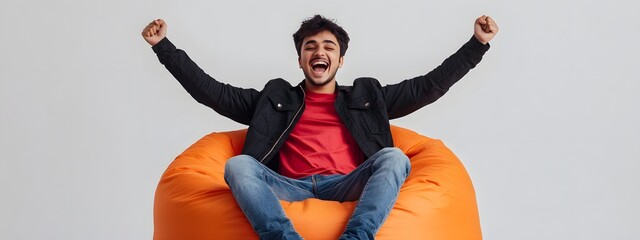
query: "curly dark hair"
316, 24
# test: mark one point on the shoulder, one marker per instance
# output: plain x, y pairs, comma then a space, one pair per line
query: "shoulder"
283, 90
277, 84
363, 86
366, 82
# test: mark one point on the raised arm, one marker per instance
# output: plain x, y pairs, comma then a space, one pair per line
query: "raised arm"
232, 102
412, 94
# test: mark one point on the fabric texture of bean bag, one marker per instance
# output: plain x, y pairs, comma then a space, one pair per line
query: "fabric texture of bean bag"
437, 201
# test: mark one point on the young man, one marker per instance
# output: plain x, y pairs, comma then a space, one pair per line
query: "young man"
318, 139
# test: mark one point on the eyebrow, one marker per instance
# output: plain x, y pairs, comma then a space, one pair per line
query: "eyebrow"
315, 42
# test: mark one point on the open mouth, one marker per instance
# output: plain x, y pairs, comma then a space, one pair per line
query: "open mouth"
319, 66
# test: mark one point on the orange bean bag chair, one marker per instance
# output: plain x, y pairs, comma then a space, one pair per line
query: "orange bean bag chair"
437, 201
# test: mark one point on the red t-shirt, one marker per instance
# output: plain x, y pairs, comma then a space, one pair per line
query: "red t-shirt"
319, 143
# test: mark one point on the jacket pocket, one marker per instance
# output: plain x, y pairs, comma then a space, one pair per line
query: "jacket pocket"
282, 106
368, 114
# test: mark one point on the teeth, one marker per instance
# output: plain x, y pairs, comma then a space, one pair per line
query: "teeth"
319, 63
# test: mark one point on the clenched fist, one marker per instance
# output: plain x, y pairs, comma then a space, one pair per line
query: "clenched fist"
155, 31
485, 29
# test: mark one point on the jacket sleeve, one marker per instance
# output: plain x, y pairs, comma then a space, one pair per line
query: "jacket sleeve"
229, 101
412, 94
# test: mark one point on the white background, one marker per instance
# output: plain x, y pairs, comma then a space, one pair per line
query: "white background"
547, 124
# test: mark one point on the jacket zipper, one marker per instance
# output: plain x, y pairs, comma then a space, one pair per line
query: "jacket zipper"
286, 129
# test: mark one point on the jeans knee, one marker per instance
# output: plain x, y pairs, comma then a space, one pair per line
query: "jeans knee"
395, 159
239, 165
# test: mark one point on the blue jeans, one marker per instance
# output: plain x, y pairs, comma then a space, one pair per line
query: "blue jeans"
375, 183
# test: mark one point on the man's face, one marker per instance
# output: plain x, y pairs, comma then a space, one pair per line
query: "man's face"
320, 59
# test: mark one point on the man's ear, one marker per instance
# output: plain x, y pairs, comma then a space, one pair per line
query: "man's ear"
341, 62
299, 63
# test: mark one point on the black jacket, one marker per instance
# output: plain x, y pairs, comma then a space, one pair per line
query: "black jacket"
365, 108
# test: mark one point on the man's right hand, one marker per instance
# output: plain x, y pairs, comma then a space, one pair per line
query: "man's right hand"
155, 31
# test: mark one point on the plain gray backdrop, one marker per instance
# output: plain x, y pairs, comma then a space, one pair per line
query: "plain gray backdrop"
547, 124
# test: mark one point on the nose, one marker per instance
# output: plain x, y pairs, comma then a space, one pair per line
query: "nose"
319, 53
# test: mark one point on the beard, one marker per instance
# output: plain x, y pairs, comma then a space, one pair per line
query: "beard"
321, 83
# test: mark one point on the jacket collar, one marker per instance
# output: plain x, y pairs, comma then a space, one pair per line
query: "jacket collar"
339, 88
